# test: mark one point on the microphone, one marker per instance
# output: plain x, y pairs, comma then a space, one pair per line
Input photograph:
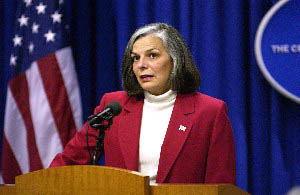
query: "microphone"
111, 110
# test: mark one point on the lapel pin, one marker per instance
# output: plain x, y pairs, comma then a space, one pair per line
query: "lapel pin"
182, 128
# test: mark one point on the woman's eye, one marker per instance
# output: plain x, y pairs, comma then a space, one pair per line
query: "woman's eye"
134, 58
153, 55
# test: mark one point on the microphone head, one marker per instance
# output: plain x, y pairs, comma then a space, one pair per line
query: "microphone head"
115, 107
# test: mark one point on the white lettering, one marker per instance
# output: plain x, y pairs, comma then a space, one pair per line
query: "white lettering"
295, 48
280, 48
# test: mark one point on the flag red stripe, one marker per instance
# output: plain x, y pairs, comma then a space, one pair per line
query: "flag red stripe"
10, 166
57, 97
19, 89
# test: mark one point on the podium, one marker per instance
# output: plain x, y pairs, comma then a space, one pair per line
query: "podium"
105, 180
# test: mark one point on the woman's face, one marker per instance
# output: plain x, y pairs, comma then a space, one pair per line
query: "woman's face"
151, 64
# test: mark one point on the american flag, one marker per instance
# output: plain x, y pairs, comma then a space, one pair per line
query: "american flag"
43, 105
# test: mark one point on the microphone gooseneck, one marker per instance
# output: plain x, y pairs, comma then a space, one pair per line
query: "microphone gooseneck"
111, 110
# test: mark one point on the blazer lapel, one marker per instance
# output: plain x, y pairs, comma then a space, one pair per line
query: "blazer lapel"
129, 132
178, 130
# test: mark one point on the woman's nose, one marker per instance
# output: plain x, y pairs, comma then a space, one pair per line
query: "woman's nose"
142, 63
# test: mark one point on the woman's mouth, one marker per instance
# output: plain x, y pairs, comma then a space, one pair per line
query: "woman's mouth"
146, 77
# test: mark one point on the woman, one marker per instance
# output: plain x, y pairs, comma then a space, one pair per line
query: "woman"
166, 130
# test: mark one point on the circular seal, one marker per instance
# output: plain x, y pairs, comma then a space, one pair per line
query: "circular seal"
277, 48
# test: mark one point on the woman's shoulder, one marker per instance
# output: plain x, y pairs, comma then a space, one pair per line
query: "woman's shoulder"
201, 98
203, 104
116, 96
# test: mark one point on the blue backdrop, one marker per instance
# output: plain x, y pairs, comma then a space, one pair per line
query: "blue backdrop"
221, 37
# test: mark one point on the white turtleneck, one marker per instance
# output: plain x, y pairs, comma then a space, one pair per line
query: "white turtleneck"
157, 112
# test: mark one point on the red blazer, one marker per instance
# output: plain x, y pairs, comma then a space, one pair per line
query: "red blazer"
203, 153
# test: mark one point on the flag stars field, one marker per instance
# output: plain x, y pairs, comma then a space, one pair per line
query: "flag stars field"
49, 36
41, 8
56, 17
28, 2
13, 60
23, 20
31, 47
35, 28
17, 40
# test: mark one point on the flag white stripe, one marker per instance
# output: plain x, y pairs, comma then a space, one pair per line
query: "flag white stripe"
66, 64
15, 132
47, 138
1, 178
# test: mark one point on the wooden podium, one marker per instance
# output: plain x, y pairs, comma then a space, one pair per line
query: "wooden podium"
104, 180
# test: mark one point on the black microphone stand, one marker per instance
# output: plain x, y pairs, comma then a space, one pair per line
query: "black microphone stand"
100, 138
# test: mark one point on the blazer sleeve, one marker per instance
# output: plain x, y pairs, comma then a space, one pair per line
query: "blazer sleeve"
220, 166
76, 150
